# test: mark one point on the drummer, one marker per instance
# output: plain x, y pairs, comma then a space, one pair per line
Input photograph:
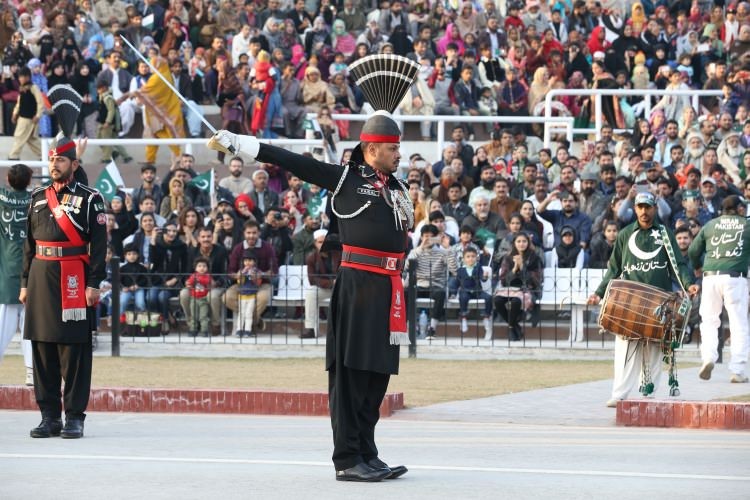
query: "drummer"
640, 255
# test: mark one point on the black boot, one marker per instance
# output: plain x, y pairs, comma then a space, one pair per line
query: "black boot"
48, 427
73, 428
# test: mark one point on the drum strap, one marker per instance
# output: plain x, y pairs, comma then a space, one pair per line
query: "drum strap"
685, 304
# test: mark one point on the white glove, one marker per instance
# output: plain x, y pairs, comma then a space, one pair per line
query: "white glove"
228, 142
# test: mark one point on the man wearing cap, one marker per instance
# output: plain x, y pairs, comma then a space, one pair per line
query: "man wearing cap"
692, 207
62, 268
322, 267
725, 242
367, 318
640, 255
711, 199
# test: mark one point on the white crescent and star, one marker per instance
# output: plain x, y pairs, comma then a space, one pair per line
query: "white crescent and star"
633, 247
108, 185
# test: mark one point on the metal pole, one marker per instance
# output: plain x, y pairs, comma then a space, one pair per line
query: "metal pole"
115, 266
411, 307
598, 115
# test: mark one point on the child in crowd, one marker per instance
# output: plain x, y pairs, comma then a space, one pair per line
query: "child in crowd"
470, 277
109, 123
487, 105
26, 116
249, 280
199, 284
133, 280
104, 308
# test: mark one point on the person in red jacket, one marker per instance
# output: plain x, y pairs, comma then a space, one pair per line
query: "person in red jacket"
199, 284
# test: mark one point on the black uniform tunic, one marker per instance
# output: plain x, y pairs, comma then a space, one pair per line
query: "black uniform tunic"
359, 355
359, 332
42, 277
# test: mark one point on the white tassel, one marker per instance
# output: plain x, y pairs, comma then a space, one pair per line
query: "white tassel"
400, 338
76, 314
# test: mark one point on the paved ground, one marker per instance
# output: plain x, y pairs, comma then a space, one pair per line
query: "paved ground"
191, 456
579, 404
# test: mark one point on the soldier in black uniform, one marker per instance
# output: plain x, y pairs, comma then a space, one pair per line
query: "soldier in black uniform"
63, 266
367, 313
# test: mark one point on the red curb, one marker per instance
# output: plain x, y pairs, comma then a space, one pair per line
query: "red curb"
686, 414
197, 401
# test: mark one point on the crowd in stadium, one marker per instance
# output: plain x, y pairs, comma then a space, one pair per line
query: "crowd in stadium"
267, 63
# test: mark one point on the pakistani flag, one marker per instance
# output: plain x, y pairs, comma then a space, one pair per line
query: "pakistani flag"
109, 181
205, 182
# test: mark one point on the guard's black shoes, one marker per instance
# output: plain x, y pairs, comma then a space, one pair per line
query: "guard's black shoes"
396, 471
362, 473
48, 427
73, 429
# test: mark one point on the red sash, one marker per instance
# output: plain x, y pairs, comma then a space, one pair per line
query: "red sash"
397, 324
72, 275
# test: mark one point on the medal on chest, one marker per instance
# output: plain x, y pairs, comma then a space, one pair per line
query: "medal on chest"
70, 203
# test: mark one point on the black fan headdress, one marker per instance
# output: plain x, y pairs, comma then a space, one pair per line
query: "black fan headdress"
384, 80
66, 104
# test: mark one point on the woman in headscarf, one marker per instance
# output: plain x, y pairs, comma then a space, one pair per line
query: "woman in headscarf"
603, 79
16, 51
95, 49
344, 101
638, 18
32, 29
540, 85
272, 32
315, 92
173, 204
84, 83
230, 99
452, 35
288, 38
658, 124
467, 19
573, 103
342, 41
598, 41
317, 37
642, 135
162, 112
38, 79
626, 39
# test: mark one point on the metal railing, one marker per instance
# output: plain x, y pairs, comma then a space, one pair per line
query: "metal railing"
597, 94
547, 325
565, 122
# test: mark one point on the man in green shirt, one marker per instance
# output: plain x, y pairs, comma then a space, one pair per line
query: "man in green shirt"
639, 255
14, 209
725, 241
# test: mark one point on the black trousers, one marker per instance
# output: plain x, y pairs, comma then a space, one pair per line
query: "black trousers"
54, 362
510, 309
354, 398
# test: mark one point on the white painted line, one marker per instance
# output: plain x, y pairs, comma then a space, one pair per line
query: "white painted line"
456, 468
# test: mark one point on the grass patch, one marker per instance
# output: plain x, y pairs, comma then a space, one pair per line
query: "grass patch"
422, 381
744, 398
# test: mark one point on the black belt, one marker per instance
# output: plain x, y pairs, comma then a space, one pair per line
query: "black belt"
389, 263
50, 251
731, 274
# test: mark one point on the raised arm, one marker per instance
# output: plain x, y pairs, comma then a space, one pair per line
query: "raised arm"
308, 169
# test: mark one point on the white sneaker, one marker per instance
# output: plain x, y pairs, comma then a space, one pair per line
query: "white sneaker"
464, 325
706, 369
29, 376
612, 403
738, 378
487, 328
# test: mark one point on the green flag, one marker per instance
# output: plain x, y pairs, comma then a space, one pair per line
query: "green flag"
205, 182
109, 181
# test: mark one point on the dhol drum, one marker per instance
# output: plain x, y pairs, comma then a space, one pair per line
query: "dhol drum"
643, 312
